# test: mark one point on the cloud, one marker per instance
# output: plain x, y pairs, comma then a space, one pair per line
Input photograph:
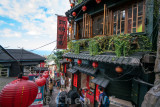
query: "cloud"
9, 33
37, 18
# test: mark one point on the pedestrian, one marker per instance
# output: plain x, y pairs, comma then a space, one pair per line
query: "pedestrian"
74, 99
51, 86
103, 99
62, 99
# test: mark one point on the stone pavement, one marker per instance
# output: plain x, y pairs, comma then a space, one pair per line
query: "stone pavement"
4, 81
52, 102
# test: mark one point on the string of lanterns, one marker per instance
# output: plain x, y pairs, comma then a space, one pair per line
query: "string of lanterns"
84, 8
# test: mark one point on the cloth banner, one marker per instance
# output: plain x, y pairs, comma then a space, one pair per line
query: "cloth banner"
61, 32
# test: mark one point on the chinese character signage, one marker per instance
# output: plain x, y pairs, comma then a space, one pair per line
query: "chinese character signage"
61, 32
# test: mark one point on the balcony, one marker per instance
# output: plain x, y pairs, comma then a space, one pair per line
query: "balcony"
120, 45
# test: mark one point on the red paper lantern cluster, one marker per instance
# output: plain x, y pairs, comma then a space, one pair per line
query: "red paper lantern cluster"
79, 62
62, 74
95, 64
45, 74
84, 8
40, 81
22, 91
74, 14
119, 69
98, 1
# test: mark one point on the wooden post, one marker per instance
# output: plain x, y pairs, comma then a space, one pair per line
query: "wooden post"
91, 28
104, 20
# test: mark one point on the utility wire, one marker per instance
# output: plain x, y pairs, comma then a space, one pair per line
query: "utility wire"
43, 46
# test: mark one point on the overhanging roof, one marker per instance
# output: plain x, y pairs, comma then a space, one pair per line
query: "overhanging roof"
100, 81
86, 69
109, 58
63, 61
72, 70
20, 55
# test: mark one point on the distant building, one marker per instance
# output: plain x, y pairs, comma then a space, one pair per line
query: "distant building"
10, 67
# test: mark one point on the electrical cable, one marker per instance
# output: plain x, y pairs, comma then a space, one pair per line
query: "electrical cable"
43, 45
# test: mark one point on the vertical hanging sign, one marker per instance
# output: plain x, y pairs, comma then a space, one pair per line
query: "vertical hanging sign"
61, 32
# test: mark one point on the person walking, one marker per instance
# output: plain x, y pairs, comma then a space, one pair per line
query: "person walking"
103, 99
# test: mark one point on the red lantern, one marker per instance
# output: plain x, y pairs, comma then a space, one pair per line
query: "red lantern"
22, 91
70, 60
118, 69
45, 75
62, 74
98, 1
40, 81
79, 62
74, 14
71, 4
84, 8
66, 59
46, 72
95, 64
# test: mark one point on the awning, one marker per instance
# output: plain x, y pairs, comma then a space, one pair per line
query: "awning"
40, 68
29, 63
100, 81
86, 69
72, 70
5, 64
64, 61
133, 60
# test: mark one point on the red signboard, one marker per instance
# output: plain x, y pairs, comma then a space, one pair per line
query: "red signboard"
75, 78
61, 32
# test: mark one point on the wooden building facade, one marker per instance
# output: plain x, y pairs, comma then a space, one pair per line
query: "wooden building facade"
112, 18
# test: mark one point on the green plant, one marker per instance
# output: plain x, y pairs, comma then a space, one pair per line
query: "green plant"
93, 47
121, 44
76, 46
70, 46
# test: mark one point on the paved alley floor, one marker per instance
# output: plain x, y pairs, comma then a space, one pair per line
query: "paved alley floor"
52, 99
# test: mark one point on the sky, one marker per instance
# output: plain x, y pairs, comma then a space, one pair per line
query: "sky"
29, 24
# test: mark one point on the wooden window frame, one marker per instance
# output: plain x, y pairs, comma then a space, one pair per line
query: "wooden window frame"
126, 18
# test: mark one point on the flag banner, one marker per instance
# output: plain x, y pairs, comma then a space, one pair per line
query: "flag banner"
61, 32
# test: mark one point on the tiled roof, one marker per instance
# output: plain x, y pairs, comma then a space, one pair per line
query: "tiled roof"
108, 58
40, 68
19, 54
63, 61
72, 70
86, 69
100, 81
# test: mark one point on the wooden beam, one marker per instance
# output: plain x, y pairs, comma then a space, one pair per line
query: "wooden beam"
104, 20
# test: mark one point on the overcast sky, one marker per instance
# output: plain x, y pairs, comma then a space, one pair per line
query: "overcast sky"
30, 23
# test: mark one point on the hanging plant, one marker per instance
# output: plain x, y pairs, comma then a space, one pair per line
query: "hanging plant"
93, 47
76, 47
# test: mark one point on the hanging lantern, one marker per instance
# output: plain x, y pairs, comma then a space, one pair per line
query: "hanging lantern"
95, 64
79, 62
40, 81
45, 75
71, 4
46, 72
119, 69
70, 60
22, 91
62, 74
84, 8
98, 1
66, 59
74, 14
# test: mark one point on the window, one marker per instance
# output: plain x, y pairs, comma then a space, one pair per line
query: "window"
129, 19
119, 22
98, 25
136, 18
4, 72
87, 23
